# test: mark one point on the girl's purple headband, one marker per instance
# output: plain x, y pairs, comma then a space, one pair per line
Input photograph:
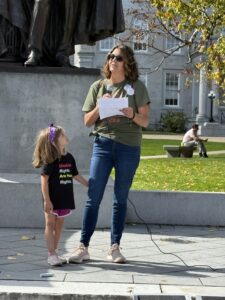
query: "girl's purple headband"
52, 132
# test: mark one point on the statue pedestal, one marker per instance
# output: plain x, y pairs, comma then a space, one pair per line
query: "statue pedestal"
30, 99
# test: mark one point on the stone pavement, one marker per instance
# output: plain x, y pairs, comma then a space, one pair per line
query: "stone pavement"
174, 260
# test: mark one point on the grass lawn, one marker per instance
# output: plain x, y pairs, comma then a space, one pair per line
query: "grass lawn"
155, 147
180, 174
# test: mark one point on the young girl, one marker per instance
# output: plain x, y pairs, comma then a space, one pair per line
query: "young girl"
58, 170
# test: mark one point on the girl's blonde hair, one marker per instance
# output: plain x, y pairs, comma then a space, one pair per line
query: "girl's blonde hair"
130, 64
46, 149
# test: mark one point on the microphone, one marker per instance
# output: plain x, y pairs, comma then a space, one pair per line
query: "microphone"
109, 88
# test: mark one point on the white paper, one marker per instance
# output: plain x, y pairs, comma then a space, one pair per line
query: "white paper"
109, 107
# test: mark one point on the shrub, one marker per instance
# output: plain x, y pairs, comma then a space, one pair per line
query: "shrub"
174, 121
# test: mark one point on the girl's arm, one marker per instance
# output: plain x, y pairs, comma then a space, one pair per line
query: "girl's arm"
81, 179
48, 207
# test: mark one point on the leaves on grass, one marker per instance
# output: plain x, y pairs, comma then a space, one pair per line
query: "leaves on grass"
177, 174
26, 238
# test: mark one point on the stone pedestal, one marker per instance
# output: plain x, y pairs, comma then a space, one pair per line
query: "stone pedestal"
84, 56
30, 99
212, 129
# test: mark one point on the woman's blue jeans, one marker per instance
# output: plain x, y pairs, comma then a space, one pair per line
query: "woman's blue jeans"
125, 159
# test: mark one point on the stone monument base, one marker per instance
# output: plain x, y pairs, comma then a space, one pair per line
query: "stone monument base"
21, 203
212, 129
33, 97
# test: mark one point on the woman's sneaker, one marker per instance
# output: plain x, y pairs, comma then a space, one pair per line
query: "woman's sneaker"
115, 255
53, 260
79, 255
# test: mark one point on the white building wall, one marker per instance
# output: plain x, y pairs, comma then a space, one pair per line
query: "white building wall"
94, 57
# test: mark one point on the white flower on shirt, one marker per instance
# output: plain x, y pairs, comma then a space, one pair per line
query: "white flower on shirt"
128, 88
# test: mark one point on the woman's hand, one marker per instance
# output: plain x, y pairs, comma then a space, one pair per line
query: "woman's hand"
128, 112
107, 95
141, 117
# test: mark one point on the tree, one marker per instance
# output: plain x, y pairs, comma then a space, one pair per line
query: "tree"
197, 25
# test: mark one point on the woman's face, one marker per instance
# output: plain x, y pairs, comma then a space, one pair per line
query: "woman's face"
116, 62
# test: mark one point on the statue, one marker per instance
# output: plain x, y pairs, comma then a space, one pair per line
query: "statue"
38, 28
55, 26
15, 18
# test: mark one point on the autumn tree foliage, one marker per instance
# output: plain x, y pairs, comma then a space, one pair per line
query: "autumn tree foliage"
196, 25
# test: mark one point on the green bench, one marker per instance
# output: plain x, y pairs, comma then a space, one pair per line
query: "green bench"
179, 151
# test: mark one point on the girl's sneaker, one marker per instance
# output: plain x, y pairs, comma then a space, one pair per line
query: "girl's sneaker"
53, 260
63, 259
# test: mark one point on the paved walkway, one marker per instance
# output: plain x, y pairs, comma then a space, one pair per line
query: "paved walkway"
185, 260
195, 154
179, 137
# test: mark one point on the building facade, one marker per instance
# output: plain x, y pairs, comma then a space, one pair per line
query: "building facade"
171, 83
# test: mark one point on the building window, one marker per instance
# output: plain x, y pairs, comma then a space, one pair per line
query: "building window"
172, 43
172, 89
107, 44
140, 35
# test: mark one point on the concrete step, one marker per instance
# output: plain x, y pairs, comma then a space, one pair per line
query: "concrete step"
21, 205
21, 202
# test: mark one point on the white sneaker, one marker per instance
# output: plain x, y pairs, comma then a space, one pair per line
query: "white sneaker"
79, 255
53, 260
115, 255
63, 259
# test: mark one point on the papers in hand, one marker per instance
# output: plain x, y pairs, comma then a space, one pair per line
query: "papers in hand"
109, 107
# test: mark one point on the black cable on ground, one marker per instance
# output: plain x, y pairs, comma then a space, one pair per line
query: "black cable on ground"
163, 252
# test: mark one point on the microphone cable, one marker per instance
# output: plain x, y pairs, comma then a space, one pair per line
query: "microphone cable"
157, 246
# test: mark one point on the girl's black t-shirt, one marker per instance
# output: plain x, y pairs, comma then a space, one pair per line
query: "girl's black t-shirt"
60, 182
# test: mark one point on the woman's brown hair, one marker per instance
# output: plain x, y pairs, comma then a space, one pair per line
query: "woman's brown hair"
46, 151
130, 64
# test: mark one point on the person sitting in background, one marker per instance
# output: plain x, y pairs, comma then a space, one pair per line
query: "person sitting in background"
191, 138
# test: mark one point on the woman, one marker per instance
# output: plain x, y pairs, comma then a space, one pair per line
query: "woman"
116, 145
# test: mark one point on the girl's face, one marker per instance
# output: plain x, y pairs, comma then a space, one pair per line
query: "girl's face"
63, 140
116, 61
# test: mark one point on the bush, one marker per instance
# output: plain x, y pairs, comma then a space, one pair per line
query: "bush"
174, 121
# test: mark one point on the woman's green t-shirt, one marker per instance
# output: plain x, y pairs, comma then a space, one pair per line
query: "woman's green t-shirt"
124, 130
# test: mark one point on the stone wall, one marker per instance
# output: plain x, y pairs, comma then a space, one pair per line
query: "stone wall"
30, 99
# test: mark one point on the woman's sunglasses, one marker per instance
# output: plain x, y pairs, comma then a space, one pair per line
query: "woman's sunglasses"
117, 57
